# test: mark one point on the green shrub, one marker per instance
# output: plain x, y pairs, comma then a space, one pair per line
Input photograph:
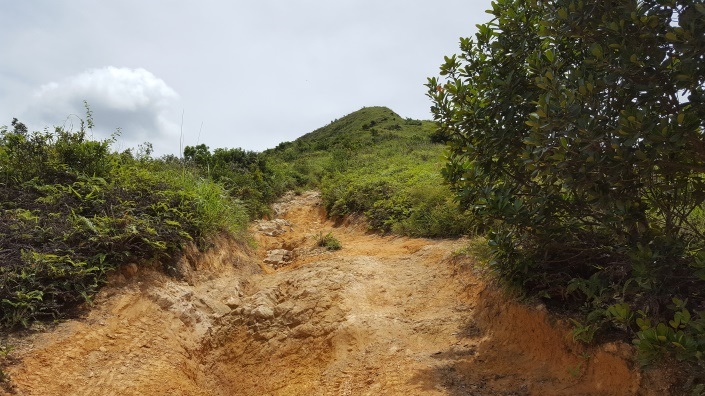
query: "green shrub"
575, 132
432, 213
329, 242
683, 335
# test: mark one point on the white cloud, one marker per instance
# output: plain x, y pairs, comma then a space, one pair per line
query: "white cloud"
134, 100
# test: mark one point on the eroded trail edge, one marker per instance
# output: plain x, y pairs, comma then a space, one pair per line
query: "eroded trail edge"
384, 315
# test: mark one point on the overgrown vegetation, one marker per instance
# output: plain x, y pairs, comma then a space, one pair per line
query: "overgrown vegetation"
246, 175
374, 162
72, 210
576, 138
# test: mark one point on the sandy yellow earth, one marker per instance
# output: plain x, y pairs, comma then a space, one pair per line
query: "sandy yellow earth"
382, 316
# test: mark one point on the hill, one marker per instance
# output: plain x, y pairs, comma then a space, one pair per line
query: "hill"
356, 127
376, 163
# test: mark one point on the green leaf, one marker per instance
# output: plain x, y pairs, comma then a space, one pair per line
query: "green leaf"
596, 50
518, 204
173, 223
550, 55
643, 323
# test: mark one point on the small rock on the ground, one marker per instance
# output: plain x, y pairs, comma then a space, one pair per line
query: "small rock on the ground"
131, 270
218, 308
278, 257
274, 227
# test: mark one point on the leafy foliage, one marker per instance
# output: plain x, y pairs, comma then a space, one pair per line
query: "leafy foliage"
576, 137
72, 210
684, 335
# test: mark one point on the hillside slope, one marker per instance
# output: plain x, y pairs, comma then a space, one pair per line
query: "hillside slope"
376, 163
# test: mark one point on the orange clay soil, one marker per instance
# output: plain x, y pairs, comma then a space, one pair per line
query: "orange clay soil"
382, 316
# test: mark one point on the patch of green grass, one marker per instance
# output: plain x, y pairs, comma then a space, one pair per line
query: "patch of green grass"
329, 242
480, 250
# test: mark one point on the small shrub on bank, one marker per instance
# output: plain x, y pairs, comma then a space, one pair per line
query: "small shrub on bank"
328, 241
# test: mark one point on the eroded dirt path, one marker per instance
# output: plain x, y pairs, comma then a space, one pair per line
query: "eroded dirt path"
382, 316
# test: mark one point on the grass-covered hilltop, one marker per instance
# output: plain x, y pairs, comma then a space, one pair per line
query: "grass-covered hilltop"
376, 163
73, 209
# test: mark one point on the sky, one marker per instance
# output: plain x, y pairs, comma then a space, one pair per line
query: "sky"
248, 74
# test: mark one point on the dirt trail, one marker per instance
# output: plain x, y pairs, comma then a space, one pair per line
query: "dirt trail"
382, 316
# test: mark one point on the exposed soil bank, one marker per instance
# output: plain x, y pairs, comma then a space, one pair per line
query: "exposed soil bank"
382, 316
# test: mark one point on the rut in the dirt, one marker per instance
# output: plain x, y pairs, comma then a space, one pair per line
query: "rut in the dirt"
384, 315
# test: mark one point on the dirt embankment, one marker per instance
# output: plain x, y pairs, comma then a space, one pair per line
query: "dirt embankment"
384, 315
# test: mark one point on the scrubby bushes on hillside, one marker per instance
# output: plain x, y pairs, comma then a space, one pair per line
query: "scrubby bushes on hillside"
413, 208
72, 210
